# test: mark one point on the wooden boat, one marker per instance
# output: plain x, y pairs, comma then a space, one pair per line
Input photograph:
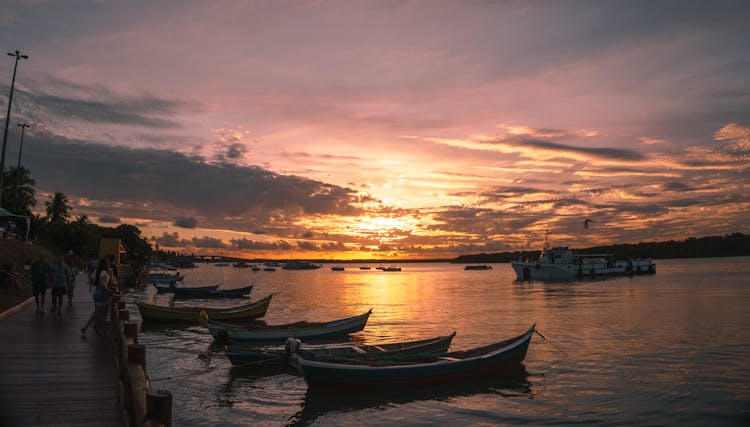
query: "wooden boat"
241, 355
224, 332
172, 288
391, 268
337, 268
168, 279
478, 267
195, 314
493, 359
212, 293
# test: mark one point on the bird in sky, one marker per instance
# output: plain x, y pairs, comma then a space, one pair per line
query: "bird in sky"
586, 222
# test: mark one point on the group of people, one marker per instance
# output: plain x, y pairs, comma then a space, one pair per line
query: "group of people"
59, 277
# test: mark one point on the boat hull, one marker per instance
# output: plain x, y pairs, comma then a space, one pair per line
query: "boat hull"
193, 314
325, 375
187, 293
567, 272
224, 333
254, 356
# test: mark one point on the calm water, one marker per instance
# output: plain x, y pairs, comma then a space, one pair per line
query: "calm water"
668, 349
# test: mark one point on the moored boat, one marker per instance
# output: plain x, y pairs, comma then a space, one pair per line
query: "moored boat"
494, 359
196, 313
337, 268
560, 264
241, 355
391, 269
478, 267
212, 293
172, 287
224, 332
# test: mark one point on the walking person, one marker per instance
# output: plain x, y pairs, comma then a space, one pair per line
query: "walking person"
71, 286
60, 277
103, 285
39, 277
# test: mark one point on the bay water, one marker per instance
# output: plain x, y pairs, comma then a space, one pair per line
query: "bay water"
667, 349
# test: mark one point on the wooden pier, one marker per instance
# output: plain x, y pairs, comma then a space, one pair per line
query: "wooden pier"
52, 375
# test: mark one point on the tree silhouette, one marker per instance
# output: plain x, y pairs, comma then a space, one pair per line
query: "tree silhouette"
58, 208
22, 200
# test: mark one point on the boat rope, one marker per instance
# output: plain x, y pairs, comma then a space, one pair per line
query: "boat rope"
560, 349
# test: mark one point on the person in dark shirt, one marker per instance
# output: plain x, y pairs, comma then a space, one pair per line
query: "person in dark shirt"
39, 277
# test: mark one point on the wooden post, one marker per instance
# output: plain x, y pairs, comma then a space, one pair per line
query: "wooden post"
137, 354
159, 406
131, 331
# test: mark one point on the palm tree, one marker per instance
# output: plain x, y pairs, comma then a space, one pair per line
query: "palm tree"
58, 208
18, 192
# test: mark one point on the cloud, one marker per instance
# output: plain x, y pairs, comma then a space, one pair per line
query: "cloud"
158, 183
171, 240
307, 246
255, 245
109, 219
207, 242
737, 137
185, 222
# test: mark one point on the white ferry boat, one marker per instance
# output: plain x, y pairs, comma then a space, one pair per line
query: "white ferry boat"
561, 264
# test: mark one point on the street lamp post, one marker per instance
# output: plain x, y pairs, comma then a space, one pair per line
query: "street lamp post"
18, 56
20, 149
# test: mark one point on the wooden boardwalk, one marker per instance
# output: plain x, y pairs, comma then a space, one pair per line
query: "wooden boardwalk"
50, 374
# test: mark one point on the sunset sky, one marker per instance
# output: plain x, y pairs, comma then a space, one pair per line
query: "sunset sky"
374, 129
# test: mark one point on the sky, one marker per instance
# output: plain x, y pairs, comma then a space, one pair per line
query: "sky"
386, 129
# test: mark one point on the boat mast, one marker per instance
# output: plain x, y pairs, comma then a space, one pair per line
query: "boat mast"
546, 240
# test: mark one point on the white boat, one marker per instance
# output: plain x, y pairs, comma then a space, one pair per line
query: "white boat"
561, 264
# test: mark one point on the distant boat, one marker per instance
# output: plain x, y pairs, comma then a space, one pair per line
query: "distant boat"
241, 264
561, 264
255, 267
300, 265
337, 268
364, 268
391, 268
495, 359
478, 267
221, 264
269, 269
272, 264
224, 332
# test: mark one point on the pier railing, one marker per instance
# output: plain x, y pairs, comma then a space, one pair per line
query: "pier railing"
141, 405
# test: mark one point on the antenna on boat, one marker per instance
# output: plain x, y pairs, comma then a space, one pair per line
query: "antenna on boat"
546, 239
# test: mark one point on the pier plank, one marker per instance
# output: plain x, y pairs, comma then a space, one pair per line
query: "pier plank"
50, 374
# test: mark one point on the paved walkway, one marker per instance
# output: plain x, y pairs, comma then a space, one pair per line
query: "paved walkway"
50, 374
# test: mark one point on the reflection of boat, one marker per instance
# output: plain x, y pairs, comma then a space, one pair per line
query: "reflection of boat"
493, 359
391, 268
171, 288
478, 267
257, 356
300, 265
223, 332
212, 293
337, 268
561, 263
193, 314
318, 403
